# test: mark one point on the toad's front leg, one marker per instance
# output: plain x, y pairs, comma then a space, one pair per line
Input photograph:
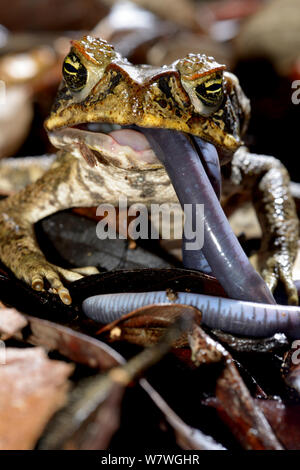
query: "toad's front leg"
61, 187
268, 181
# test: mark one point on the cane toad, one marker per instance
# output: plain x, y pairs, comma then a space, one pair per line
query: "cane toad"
101, 158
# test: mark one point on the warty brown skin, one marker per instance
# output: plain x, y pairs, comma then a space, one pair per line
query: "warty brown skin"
267, 181
71, 182
74, 181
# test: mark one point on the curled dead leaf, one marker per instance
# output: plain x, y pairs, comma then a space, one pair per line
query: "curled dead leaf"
145, 325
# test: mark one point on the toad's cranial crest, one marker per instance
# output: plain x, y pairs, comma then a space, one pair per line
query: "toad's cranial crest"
155, 135
194, 95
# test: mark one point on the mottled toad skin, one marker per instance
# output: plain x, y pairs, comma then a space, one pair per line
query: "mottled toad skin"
118, 92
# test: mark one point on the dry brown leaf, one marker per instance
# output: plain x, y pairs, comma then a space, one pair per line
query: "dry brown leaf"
284, 419
11, 321
32, 388
233, 400
187, 437
145, 325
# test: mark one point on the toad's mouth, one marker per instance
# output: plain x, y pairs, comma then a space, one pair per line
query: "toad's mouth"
194, 170
122, 147
126, 147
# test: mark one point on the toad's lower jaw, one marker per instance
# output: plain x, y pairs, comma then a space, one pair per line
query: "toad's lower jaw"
221, 248
125, 148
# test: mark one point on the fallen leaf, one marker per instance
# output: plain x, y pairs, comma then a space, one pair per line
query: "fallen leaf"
187, 438
80, 424
11, 321
284, 419
233, 401
145, 325
32, 388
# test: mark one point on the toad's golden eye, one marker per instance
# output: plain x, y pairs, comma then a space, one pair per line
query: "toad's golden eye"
74, 72
210, 91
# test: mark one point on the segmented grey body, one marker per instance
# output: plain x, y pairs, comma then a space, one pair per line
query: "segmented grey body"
210, 160
238, 317
221, 248
211, 163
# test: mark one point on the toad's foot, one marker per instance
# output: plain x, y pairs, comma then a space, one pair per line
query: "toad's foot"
276, 267
19, 249
37, 272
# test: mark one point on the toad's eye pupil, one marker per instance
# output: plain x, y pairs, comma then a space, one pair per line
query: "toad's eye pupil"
210, 92
74, 72
213, 88
70, 69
